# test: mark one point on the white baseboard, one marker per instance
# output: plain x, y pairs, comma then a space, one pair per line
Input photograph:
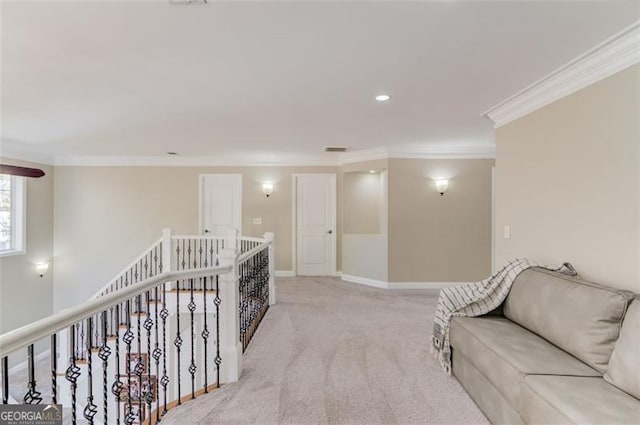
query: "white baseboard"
365, 281
285, 273
421, 285
22, 366
397, 285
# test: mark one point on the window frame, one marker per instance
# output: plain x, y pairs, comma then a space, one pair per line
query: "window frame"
18, 214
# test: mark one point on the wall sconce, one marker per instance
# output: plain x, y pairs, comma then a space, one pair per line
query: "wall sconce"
42, 269
442, 185
267, 188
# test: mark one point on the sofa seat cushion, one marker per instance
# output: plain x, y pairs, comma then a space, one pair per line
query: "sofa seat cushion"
550, 400
505, 352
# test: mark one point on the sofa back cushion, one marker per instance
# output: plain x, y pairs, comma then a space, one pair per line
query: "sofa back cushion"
624, 366
581, 318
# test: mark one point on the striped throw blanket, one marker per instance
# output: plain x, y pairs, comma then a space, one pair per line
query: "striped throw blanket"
475, 299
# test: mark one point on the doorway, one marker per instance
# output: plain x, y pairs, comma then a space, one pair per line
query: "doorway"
314, 224
220, 203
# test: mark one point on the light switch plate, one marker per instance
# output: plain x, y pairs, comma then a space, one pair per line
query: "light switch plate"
257, 220
507, 232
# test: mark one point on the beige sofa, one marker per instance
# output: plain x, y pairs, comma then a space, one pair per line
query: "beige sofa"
560, 351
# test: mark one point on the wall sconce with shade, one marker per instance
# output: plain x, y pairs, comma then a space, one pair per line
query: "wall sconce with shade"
442, 185
267, 188
42, 269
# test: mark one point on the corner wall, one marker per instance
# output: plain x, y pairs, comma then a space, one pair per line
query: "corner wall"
568, 183
24, 296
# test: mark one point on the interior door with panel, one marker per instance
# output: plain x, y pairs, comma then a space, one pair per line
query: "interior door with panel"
315, 204
220, 203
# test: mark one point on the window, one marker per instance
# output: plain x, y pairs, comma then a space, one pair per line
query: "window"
12, 214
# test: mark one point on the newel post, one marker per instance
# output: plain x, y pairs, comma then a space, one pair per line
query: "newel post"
272, 268
230, 346
166, 250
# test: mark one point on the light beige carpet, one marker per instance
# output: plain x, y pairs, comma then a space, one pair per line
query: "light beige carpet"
332, 352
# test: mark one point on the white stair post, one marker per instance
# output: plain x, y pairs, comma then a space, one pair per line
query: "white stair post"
272, 269
230, 346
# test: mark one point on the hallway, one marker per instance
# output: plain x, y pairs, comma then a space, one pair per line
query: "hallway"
332, 352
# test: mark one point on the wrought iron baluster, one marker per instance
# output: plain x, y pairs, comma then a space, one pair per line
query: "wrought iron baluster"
189, 253
33, 396
192, 366
5, 380
128, 338
200, 253
139, 368
156, 350
164, 313
184, 263
148, 324
160, 256
54, 369
73, 373
178, 340
90, 409
82, 340
96, 341
218, 360
205, 330
103, 353
118, 386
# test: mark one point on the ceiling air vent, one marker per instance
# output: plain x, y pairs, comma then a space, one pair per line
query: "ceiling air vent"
336, 149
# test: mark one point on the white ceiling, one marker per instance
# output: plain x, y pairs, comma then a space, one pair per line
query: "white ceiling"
277, 81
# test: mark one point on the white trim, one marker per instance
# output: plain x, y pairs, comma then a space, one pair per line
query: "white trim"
365, 281
422, 285
607, 58
182, 161
440, 151
294, 235
285, 273
23, 365
397, 285
493, 219
18, 217
437, 152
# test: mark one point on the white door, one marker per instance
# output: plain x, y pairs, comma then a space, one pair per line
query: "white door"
315, 224
220, 203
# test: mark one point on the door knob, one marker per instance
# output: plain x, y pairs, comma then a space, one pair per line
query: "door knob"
329, 231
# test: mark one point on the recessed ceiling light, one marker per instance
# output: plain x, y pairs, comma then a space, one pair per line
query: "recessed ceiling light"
172, 153
372, 171
383, 97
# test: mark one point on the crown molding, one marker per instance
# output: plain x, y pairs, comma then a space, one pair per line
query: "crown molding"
10, 150
363, 156
607, 58
435, 152
156, 161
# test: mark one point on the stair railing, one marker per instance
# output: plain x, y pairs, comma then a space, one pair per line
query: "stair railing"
151, 345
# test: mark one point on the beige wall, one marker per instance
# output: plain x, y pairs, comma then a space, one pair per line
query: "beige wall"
105, 216
362, 202
568, 182
25, 296
435, 238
